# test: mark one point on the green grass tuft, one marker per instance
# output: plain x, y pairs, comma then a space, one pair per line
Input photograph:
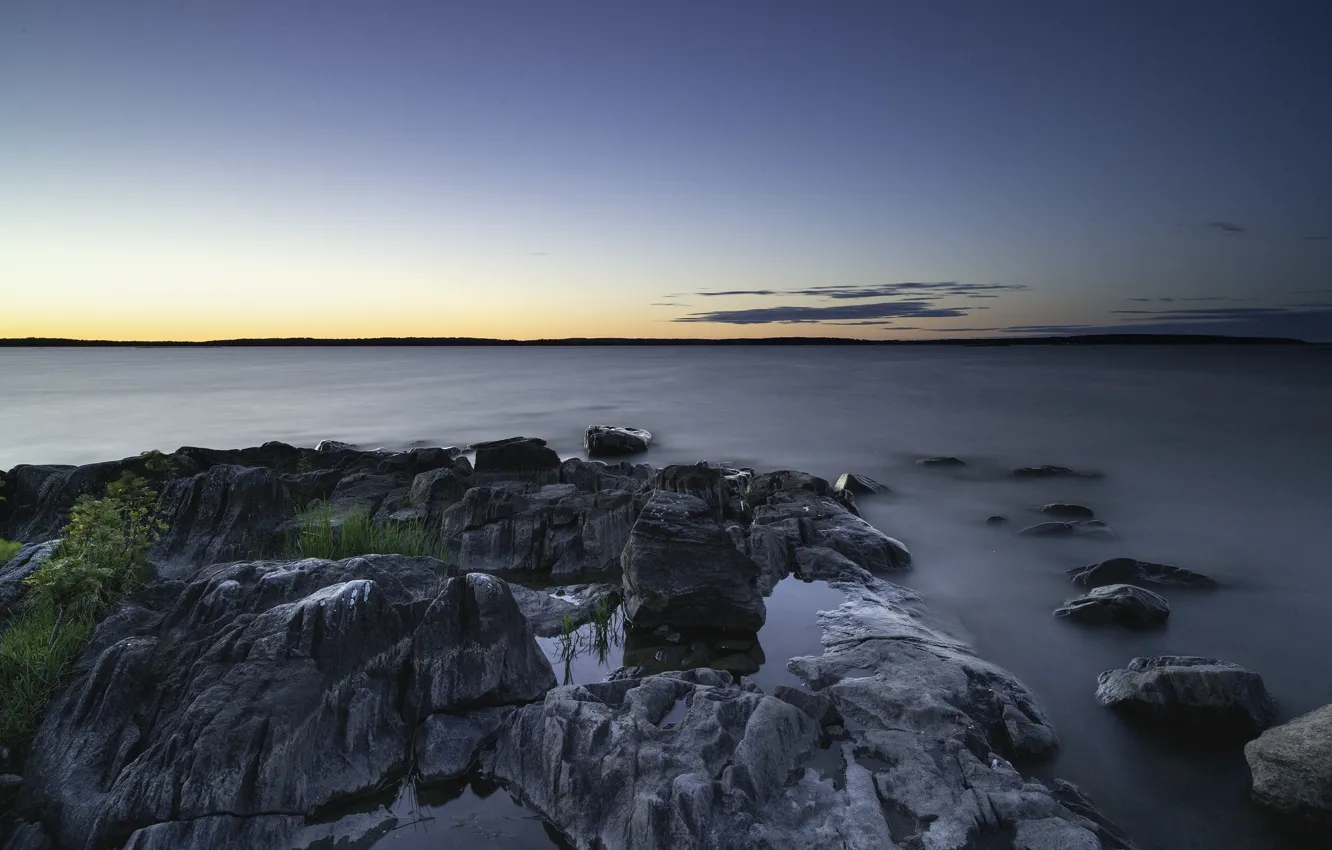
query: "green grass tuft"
318, 536
8, 550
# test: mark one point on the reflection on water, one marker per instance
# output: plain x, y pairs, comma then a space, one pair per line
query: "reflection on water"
471, 813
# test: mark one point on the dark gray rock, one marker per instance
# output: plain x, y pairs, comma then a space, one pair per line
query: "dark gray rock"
307, 487
1094, 529
224, 514
326, 446
1130, 571
1198, 697
448, 745
38, 498
818, 706
29, 836
271, 832
860, 484
722, 489
1117, 603
681, 569
366, 493
996, 519
18, 569
785, 484
1292, 767
1067, 511
593, 476
435, 490
1048, 471
663, 650
520, 456
615, 440
550, 529
819, 563
266, 688
942, 460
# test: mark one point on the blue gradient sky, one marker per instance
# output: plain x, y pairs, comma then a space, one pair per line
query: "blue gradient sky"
197, 170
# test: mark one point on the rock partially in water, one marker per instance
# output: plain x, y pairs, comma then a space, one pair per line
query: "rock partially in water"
860, 484
721, 488
600, 440
526, 457
682, 569
1117, 603
327, 446
996, 519
548, 611
942, 461
271, 832
268, 687
1199, 697
818, 706
18, 569
1065, 510
1130, 571
224, 514
1094, 529
1048, 471
661, 651
550, 529
783, 485
448, 745
1292, 767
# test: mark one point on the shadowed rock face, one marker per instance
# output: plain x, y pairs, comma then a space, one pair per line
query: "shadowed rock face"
594, 476
860, 484
270, 689
682, 570
1292, 767
225, 513
722, 489
600, 440
1199, 697
15, 571
1117, 603
1130, 571
522, 456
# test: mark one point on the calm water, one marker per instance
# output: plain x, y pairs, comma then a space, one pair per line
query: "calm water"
1216, 459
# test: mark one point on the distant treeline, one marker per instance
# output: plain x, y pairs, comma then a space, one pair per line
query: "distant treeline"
296, 342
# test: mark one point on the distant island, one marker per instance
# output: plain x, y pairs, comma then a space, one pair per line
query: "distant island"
297, 342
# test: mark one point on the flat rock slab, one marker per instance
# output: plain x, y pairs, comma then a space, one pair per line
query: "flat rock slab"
1117, 603
1093, 529
1130, 571
1199, 697
615, 440
1292, 766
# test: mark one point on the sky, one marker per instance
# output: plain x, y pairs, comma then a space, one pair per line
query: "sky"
201, 170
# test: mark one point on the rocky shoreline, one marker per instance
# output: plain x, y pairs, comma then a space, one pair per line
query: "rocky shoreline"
247, 698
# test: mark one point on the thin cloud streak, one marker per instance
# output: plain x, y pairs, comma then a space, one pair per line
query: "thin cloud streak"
841, 312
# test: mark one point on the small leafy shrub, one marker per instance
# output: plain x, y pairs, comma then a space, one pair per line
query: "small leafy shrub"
8, 550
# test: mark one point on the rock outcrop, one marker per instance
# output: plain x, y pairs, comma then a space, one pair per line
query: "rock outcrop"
860, 485
269, 690
1198, 697
1130, 571
226, 513
527, 458
555, 529
603, 440
593, 476
722, 489
18, 569
1292, 767
1117, 603
682, 570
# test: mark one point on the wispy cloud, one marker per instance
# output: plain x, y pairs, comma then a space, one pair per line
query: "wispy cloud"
1228, 227
668, 304
839, 313
910, 289
1325, 238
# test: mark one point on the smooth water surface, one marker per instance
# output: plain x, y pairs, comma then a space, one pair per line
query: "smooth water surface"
1216, 459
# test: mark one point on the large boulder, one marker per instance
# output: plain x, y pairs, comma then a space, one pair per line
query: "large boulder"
521, 457
1130, 571
1199, 697
224, 514
550, 529
268, 688
1117, 603
721, 488
1292, 766
593, 476
615, 440
682, 569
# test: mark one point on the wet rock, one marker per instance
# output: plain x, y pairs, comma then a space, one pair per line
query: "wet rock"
326, 446
18, 569
1094, 529
593, 476
1292, 767
1198, 697
819, 563
269, 687
721, 489
860, 484
435, 490
526, 457
1117, 603
224, 514
1130, 571
548, 529
1064, 510
1054, 833
942, 460
996, 519
785, 484
615, 440
271, 832
549, 610
791, 520
607, 767
818, 706
661, 651
681, 569
448, 745
1048, 471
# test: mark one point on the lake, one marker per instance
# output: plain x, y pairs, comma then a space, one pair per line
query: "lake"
1215, 459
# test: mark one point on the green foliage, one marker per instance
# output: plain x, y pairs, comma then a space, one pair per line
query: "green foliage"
161, 465
102, 557
8, 550
318, 536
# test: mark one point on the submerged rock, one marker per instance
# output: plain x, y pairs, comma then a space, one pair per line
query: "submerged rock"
942, 460
1117, 603
1094, 529
1064, 510
269, 687
1292, 767
860, 484
996, 519
1130, 571
1048, 471
548, 611
1199, 697
615, 440
681, 569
